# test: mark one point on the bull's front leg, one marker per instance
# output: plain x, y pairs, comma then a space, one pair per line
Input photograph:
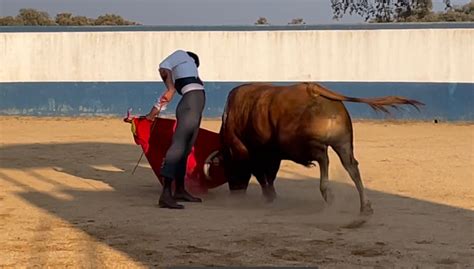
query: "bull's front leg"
238, 175
266, 173
268, 190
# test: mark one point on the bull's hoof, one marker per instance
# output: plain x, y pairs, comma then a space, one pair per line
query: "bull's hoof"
270, 198
328, 196
269, 194
238, 191
238, 188
366, 209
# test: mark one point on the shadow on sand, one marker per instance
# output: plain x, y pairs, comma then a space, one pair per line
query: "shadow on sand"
228, 229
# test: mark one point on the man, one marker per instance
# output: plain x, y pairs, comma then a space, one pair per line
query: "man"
179, 72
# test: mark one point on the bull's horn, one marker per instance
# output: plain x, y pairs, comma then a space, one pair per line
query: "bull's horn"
207, 164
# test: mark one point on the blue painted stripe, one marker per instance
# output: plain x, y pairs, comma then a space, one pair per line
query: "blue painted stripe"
445, 101
166, 28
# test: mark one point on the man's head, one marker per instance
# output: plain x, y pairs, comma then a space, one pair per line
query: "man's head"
194, 56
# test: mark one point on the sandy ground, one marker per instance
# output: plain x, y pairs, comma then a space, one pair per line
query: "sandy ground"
68, 199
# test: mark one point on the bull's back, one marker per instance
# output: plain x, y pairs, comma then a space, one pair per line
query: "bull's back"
285, 116
302, 116
247, 111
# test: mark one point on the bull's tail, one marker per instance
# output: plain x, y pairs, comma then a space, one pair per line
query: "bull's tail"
378, 104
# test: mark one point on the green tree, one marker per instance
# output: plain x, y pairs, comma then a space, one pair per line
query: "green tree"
297, 21
64, 19
9, 21
82, 20
462, 13
29, 16
112, 19
68, 19
385, 10
261, 21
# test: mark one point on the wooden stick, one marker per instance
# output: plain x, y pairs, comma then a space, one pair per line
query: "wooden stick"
152, 127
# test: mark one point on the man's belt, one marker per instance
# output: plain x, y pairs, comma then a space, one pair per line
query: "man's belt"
181, 82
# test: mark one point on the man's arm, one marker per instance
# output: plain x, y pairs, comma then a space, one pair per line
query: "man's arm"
166, 76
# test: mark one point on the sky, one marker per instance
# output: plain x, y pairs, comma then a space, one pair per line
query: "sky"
195, 12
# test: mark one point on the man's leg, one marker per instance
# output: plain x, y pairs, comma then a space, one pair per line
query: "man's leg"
188, 116
180, 192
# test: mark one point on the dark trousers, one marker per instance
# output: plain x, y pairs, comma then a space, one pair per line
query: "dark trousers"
188, 116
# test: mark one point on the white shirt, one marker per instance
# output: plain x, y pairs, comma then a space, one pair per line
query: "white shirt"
181, 65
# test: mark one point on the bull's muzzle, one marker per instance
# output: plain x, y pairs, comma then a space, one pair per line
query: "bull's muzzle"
212, 159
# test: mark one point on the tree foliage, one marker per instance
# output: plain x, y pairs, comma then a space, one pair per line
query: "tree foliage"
297, 21
29, 16
69, 19
261, 21
462, 13
401, 10
111, 19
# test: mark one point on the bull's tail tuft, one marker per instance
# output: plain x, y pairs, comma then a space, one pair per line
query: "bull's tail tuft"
377, 104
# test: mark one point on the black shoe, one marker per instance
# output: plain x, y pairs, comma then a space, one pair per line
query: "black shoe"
184, 196
169, 202
170, 205
166, 199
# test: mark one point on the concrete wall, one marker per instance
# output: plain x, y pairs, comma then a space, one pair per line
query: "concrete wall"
89, 61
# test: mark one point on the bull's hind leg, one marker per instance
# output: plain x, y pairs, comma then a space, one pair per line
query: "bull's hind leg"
321, 156
346, 154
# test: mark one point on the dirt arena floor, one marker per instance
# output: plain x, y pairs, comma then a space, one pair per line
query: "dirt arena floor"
68, 199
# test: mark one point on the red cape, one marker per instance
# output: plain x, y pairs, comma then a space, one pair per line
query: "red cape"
156, 140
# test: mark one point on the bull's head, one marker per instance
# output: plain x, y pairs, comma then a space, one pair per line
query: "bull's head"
237, 173
214, 159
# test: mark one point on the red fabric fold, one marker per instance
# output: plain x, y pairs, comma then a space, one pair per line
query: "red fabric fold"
156, 140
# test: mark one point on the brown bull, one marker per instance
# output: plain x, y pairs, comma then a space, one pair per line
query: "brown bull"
263, 124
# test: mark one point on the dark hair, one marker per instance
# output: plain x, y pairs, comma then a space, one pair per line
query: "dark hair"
194, 56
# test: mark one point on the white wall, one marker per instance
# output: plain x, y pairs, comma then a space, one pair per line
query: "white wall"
411, 55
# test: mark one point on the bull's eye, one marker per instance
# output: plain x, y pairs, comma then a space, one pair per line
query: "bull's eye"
215, 160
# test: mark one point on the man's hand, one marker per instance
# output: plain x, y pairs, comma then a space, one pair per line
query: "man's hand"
164, 100
167, 97
152, 114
